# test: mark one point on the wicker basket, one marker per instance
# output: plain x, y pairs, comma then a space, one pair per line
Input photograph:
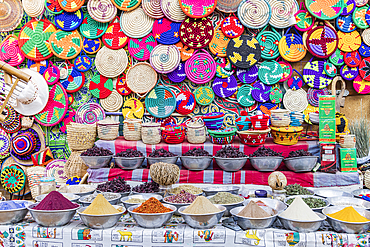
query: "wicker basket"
34, 174
196, 132
107, 131
75, 165
81, 136
151, 133
132, 129
280, 118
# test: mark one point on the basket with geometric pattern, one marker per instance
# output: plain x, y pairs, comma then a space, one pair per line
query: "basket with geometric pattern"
160, 102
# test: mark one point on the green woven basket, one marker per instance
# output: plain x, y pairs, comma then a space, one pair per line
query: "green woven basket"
160, 102
204, 95
269, 41
270, 72
244, 96
91, 28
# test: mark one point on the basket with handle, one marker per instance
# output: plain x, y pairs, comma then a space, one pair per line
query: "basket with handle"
132, 129
196, 131
151, 133
81, 136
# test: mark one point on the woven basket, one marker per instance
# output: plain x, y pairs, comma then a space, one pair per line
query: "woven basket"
349, 42
322, 41
153, 8
304, 20
291, 47
91, 28
33, 8
366, 36
253, 137
367, 179
141, 78
160, 102
172, 10
359, 17
325, 10
270, 72
337, 58
228, 6
196, 132
281, 12
81, 136
127, 5
62, 46
174, 134
10, 51
136, 24
111, 63
101, 10
204, 95
244, 96
113, 102
75, 166
132, 129
269, 41
107, 131
34, 174
151, 133
280, 118
295, 100
196, 33
219, 43
200, 68
165, 58
198, 9
11, 21
254, 13
244, 51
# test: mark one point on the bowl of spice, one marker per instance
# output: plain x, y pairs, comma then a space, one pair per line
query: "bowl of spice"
300, 217
230, 159
161, 155
300, 161
196, 159
351, 220
129, 159
265, 159
181, 199
348, 201
258, 213
147, 187
53, 210
316, 203
361, 192
100, 213
296, 189
202, 214
228, 200
112, 198
96, 157
151, 213
210, 191
187, 188
69, 196
78, 189
136, 199
12, 212
326, 193
117, 185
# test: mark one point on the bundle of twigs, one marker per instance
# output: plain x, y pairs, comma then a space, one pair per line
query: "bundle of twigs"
361, 129
164, 174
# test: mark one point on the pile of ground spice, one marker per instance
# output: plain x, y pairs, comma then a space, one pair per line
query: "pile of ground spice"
55, 201
100, 206
252, 210
201, 205
151, 206
348, 214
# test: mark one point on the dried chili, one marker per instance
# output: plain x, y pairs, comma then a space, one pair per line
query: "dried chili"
151, 206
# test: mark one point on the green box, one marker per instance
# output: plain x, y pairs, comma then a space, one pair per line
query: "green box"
327, 131
348, 160
327, 107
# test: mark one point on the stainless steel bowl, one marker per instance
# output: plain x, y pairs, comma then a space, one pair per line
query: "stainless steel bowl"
331, 193
266, 164
83, 193
121, 193
230, 206
210, 191
96, 162
161, 193
302, 226
301, 164
195, 163
129, 163
307, 196
51, 218
231, 164
349, 201
101, 221
168, 160
357, 193
74, 198
151, 220
114, 201
347, 227
13, 216
202, 221
177, 205
144, 196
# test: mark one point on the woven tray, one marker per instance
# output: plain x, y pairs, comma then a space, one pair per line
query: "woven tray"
160, 102
196, 33
225, 87
270, 72
185, 51
89, 113
141, 78
136, 24
83, 63
349, 7
53, 6
244, 51
337, 58
69, 21
172, 10
244, 96
126, 5
133, 108
166, 32
114, 38
113, 102
200, 68
66, 45
101, 86
224, 68
121, 85
91, 28
178, 75
10, 51
348, 73
55, 169
322, 9
281, 12
366, 36
198, 9
165, 58
276, 95
218, 43
295, 82
304, 20
345, 24
185, 102
349, 41
314, 74
111, 63
204, 95
254, 13
228, 6
140, 48
352, 59
295, 100
91, 46
33, 8
287, 70
269, 41
232, 27
71, 5
152, 8
322, 41
291, 47
364, 69
74, 81
361, 86
359, 17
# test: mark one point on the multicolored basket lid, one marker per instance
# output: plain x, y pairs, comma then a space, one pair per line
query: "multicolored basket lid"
185, 51
276, 95
269, 41
295, 100
4, 144
102, 10
198, 9
314, 74
178, 75
359, 17
33, 39
10, 51
136, 24
39, 66
364, 69
74, 81
53, 6
244, 96
89, 113
133, 108
224, 68
337, 58
254, 13
218, 43
261, 92
313, 95
348, 73
295, 82
196, 33
225, 87
140, 49
360, 3
291, 47
204, 95
83, 63
56, 108
121, 85
66, 45
71, 5
114, 38
200, 68
126, 5
287, 70
69, 21
13, 179
244, 51
270, 72
322, 41
345, 23
91, 46
330, 69
281, 12
52, 74
14, 126
325, 10
166, 32
247, 75
91, 28
352, 59
185, 102
304, 20
101, 86
153, 8
361, 86
349, 41
349, 7
232, 27
364, 50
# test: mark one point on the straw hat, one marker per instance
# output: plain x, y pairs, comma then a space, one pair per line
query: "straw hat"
11, 13
111, 63
33, 8
136, 24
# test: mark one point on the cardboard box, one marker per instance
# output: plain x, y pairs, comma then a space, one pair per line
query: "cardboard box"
326, 107
348, 160
328, 156
327, 131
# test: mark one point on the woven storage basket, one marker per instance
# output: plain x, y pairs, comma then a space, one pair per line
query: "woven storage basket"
132, 129
174, 134
280, 118
75, 166
254, 13
141, 78
111, 63
81, 136
196, 132
136, 24
107, 131
34, 174
253, 137
286, 135
151, 133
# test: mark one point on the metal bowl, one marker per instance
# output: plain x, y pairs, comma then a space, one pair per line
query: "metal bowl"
347, 227
196, 163
210, 191
51, 218
357, 193
151, 220
144, 196
331, 193
114, 201
82, 193
301, 164
230, 206
74, 198
161, 193
13, 216
101, 221
202, 221
177, 205
96, 162
307, 196
168, 160
302, 226
348, 201
231, 164
121, 193
129, 163
266, 164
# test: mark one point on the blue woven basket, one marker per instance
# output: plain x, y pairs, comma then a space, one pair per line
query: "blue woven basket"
243, 123
214, 123
160, 102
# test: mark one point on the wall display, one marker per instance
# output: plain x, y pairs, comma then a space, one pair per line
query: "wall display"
244, 51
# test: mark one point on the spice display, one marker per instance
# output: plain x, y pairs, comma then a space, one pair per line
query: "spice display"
148, 187
252, 210
201, 205
107, 195
187, 188
230, 152
264, 151
300, 211
349, 214
130, 153
182, 197
157, 153
196, 152
55, 201
152, 206
135, 200
9, 205
96, 151
299, 153
296, 189
225, 198
117, 185
310, 201
100, 206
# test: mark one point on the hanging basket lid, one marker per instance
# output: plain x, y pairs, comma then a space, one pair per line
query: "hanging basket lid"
172, 10
165, 58
196, 33
287, 70
228, 6
224, 68
185, 102
254, 13
204, 95
185, 51
314, 74
247, 75
200, 68
244, 96
52, 75
198, 9
126, 5
121, 85
56, 108
160, 102
69, 21
10, 51
270, 72
12, 14
276, 95
14, 126
111, 63
113, 102
13, 179
364, 50
364, 69
91, 46
152, 8
366, 36
33, 39
349, 7
281, 12
4, 144
141, 78
166, 32
345, 24
361, 86
132, 109
71, 5
232, 27
141, 48
291, 47
304, 20
218, 43
55, 169
114, 38
322, 41
269, 42
352, 59
91, 28
74, 81
136, 24
325, 10
66, 45
83, 63
337, 58
53, 6
244, 51
313, 95
261, 92
295, 100
33, 8
349, 41
225, 87
89, 113
101, 86
348, 73
295, 82
359, 17
178, 75
360, 3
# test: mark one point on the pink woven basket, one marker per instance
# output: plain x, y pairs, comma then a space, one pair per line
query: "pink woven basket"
200, 68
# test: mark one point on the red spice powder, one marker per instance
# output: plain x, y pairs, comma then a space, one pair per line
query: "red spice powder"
151, 206
55, 201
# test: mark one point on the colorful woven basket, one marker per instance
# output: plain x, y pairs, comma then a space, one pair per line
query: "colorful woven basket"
69, 21
322, 41
359, 17
313, 95
133, 108
166, 32
232, 27
325, 10
91, 28
200, 68
198, 9
174, 134
101, 10
185, 102
160, 102
91, 46
295, 82
276, 95
185, 51
13, 179
136, 24
213, 120
337, 58
254, 13
165, 58
71, 5
345, 24
204, 95
178, 75
260, 122
352, 59
126, 5
222, 136
10, 51
261, 92
9, 22
224, 68
243, 123
4, 144
89, 113
295, 100
281, 12
74, 81
244, 96
66, 45
33, 39
140, 49
172, 10
218, 43
304, 20
114, 38
53, 6
291, 47
52, 74
366, 36
348, 73
113, 102
360, 3
196, 33
349, 41
247, 75
244, 51
286, 135
101, 86
287, 70
253, 137
225, 87
83, 63
111, 63
269, 41
121, 85
364, 69
270, 72
152, 8
141, 78
361, 86
314, 74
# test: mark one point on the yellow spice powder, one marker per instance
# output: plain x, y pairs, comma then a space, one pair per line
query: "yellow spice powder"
348, 214
100, 206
